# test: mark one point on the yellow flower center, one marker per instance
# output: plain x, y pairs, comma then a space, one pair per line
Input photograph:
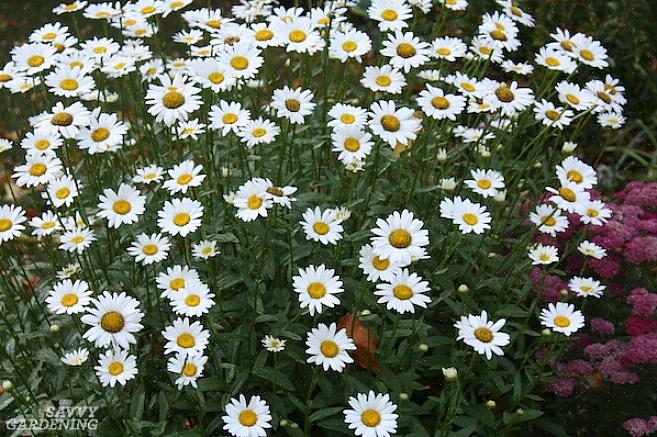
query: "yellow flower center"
100, 134
254, 202
215, 24
42, 144
177, 283
351, 144
400, 238
321, 228
148, 10
149, 249
5, 224
572, 99
329, 349
77, 239
216, 77
552, 115
585, 289
562, 321
192, 300
439, 102
70, 6
186, 340
550, 221
62, 193
115, 368
484, 184
567, 194
405, 50
47, 225
468, 87
49, 36
69, 84
248, 418
402, 292
239, 63
390, 123
592, 213
485, 50
603, 96
504, 94
297, 36
229, 118
112, 321
69, 299
173, 100
575, 176
293, 105
380, 264
100, 50
4, 77
443, 51
62, 119
383, 81
181, 219
119, 65
259, 132
587, 54
275, 191
347, 118
184, 179
316, 290
483, 334
389, 15
37, 170
349, 46
189, 370
264, 35
516, 11
122, 207
370, 418
498, 35
470, 219
35, 61
552, 62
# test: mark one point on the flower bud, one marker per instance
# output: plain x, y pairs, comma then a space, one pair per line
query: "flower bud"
283, 423
7, 385
448, 184
54, 329
568, 147
490, 404
365, 313
538, 164
463, 288
546, 332
294, 425
403, 396
450, 374
441, 156
423, 347
492, 254
520, 412
500, 196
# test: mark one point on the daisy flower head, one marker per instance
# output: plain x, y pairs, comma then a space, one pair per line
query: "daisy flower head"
574, 170
34, 58
188, 367
193, 301
173, 101
247, 419
551, 115
351, 143
293, 104
68, 297
400, 238
228, 117
65, 8
322, 226
184, 176
114, 319
611, 120
585, 287
328, 347
242, 60
11, 222
45, 225
118, 66
406, 51
591, 249
273, 344
574, 96
185, 338
501, 30
554, 59
68, 271
486, 49
69, 82
103, 134
589, 51
393, 125
61, 191
435, 103
116, 366
280, 195
485, 182
77, 240
455, 5
258, 131
385, 78
469, 216
262, 35
316, 287
180, 216
252, 200
212, 74
299, 35
543, 255
570, 196
448, 48
593, 212
549, 219
347, 115
371, 415
39, 168
121, 207
562, 317
510, 99
511, 9
190, 129
149, 249
76, 357
65, 120
176, 278
149, 174
483, 335
390, 14
374, 267
205, 249
403, 292
521, 68
349, 44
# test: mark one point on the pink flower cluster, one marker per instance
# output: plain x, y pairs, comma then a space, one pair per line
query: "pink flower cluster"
638, 427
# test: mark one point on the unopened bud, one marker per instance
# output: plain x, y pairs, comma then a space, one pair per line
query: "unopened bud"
450, 374
283, 423
490, 404
7, 385
54, 329
463, 288
423, 347
403, 396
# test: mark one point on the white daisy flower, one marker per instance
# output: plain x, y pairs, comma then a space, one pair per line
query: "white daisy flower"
543, 255
299, 35
485, 182
103, 134
574, 96
351, 143
293, 104
316, 287
391, 14
328, 347
258, 131
591, 249
114, 319
593, 212
393, 125
188, 367
116, 366
228, 117
77, 357
185, 338
148, 174
371, 415
562, 317
39, 168
66, 120
180, 216
11, 222
482, 335
569, 196
205, 249
549, 219
252, 200
585, 287
149, 249
374, 267
45, 225
322, 226
469, 216
435, 103
76, 240
574, 170
242, 60
184, 176
403, 292
247, 419
121, 207
551, 115
68, 297
173, 101
400, 238
510, 99
273, 344
193, 300
448, 48
212, 74
347, 115
349, 44
384, 78
33, 58
175, 279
